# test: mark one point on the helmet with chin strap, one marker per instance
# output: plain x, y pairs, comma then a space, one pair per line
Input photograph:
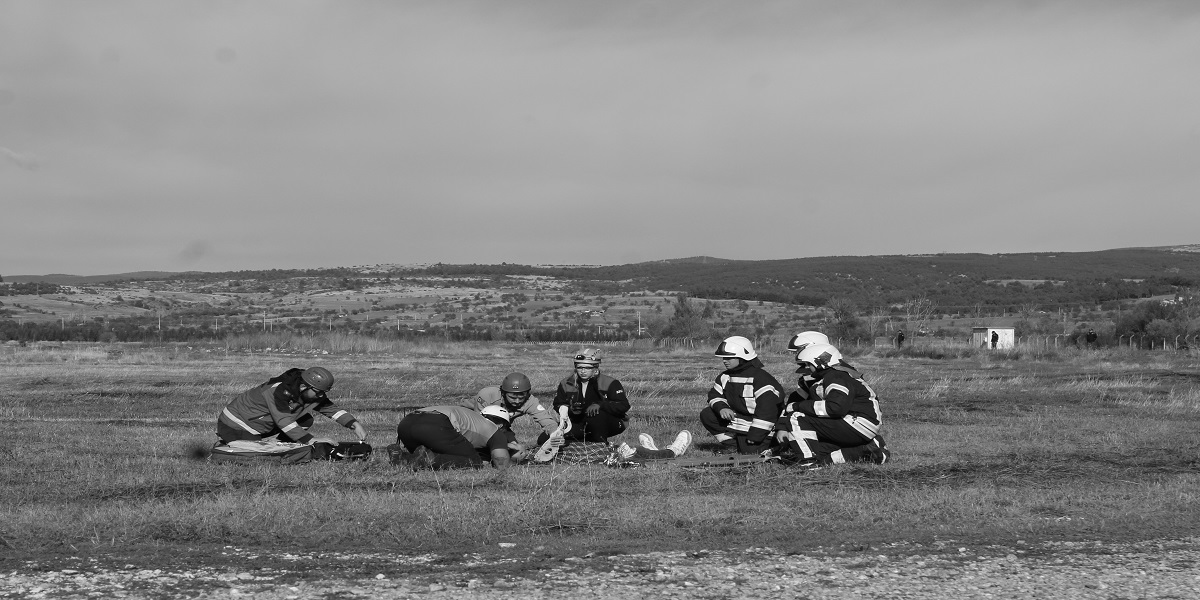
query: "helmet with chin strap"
319, 378
818, 357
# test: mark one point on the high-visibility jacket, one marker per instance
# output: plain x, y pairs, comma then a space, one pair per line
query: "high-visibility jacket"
839, 392
272, 408
491, 396
753, 395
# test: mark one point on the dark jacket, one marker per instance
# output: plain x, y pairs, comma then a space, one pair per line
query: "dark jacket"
753, 394
601, 389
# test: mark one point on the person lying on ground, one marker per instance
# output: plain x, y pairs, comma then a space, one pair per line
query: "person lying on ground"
283, 407
454, 437
745, 401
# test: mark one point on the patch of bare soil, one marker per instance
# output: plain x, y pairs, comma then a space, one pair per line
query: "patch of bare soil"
943, 569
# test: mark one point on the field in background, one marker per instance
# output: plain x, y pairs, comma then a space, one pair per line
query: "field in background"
99, 443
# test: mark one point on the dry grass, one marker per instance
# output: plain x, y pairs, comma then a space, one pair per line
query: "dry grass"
99, 445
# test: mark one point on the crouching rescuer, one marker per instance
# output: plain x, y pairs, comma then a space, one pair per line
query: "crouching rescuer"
283, 408
837, 419
455, 437
744, 402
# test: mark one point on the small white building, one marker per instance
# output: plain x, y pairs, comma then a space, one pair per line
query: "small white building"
1006, 337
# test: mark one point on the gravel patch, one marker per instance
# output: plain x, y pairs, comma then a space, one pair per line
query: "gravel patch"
1061, 570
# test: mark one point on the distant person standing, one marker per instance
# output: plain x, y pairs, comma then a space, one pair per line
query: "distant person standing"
995, 339
1091, 337
900, 339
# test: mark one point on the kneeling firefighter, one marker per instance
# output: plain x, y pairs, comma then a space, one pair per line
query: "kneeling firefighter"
283, 408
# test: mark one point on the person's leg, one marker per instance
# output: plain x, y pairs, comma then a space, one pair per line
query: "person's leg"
718, 427
226, 434
601, 427
825, 441
433, 431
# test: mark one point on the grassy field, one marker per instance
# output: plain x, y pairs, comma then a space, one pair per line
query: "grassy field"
99, 444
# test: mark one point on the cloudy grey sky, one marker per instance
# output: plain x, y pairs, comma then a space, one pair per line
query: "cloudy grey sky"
224, 135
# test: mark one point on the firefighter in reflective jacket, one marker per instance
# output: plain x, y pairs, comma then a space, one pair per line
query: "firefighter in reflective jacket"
837, 420
744, 402
596, 403
284, 407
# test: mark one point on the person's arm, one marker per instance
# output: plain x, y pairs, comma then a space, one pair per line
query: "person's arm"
616, 404
716, 398
342, 417
488, 396
836, 397
498, 448
766, 410
544, 417
286, 421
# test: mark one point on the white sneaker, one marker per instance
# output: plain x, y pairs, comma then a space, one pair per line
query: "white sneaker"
646, 441
682, 442
625, 451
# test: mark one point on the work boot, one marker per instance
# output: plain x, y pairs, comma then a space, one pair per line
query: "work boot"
396, 453
878, 450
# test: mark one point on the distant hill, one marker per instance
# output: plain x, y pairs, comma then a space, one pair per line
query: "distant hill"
62, 279
949, 280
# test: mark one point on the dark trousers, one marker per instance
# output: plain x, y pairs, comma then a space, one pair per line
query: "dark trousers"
714, 424
817, 438
594, 429
435, 432
227, 434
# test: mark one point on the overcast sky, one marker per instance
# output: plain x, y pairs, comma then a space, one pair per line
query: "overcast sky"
227, 135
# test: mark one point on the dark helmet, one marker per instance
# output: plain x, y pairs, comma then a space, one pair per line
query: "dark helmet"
516, 383
318, 377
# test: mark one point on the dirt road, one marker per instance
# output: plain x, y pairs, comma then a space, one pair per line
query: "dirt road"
1158, 569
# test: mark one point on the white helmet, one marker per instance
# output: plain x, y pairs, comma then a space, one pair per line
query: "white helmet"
804, 338
497, 414
736, 347
820, 356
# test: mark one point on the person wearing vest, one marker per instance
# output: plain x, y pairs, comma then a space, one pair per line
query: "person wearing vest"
455, 437
284, 407
596, 403
514, 394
